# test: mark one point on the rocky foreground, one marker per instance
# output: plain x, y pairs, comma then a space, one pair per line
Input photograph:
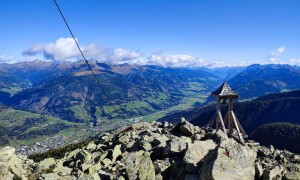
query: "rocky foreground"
158, 151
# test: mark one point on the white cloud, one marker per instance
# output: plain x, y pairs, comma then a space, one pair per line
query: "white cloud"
6, 58
294, 61
65, 49
62, 49
123, 56
93, 51
178, 60
273, 57
174, 60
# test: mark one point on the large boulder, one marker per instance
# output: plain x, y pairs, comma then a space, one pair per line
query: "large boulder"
6, 153
63, 170
186, 128
158, 139
83, 156
93, 176
196, 152
274, 173
91, 146
10, 164
139, 166
45, 165
161, 165
50, 176
293, 172
116, 152
175, 147
229, 161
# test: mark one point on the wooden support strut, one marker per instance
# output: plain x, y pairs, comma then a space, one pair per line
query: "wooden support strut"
219, 118
222, 123
236, 125
240, 126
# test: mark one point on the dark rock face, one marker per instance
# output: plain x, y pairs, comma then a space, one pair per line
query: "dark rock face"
159, 151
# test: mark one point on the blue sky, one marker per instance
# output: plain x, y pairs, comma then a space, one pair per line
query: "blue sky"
162, 32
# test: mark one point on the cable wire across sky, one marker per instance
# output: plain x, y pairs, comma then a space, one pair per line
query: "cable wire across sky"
86, 61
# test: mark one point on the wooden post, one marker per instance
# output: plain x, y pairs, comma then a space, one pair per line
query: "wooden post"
230, 123
217, 116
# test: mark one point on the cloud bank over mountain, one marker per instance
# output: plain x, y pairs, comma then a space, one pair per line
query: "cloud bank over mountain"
65, 49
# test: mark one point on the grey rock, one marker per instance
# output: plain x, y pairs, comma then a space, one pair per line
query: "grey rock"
50, 176
263, 151
158, 177
60, 169
124, 138
106, 162
161, 165
83, 156
158, 139
272, 149
197, 151
273, 173
165, 124
175, 147
91, 146
45, 165
93, 176
6, 153
139, 166
258, 170
219, 136
187, 128
230, 160
141, 125
116, 152
293, 172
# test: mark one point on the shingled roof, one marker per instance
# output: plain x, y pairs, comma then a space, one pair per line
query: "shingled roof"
225, 91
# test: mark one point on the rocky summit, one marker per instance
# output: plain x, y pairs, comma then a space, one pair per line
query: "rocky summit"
158, 151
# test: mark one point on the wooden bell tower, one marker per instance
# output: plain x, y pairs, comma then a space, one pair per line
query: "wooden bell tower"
225, 94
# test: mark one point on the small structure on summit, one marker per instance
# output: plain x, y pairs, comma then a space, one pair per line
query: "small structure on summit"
225, 93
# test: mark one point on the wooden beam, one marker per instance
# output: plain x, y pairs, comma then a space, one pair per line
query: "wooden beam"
222, 123
236, 125
217, 110
240, 126
230, 123
217, 122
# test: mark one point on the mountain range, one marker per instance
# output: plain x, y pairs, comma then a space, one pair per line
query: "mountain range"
257, 80
68, 92
62, 89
